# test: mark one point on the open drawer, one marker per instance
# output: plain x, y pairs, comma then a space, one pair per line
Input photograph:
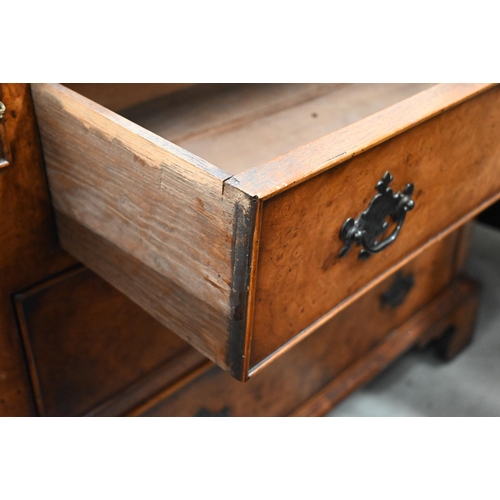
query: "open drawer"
245, 259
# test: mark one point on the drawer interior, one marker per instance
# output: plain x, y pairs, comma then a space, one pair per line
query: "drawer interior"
237, 127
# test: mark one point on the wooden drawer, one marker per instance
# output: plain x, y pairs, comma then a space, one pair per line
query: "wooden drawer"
242, 261
91, 351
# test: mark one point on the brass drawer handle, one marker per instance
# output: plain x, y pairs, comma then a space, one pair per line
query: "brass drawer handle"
2, 109
371, 224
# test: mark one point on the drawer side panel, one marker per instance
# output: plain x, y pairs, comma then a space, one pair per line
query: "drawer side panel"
146, 215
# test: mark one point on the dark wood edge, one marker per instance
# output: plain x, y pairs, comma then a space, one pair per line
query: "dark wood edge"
326, 317
304, 162
243, 275
397, 343
252, 286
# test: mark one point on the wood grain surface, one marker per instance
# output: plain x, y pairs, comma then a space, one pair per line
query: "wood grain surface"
452, 159
125, 198
30, 251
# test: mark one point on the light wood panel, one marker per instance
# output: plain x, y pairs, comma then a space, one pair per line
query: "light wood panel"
135, 200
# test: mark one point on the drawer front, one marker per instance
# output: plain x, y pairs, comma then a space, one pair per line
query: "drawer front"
91, 350
453, 161
305, 369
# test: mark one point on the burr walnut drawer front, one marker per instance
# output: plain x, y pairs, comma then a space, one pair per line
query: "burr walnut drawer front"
319, 192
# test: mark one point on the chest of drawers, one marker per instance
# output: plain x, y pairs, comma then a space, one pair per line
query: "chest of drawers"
251, 258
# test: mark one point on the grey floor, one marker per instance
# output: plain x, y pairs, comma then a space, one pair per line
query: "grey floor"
420, 385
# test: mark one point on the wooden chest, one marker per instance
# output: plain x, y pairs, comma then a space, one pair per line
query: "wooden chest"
316, 268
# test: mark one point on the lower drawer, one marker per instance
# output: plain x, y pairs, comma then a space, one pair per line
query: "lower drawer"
302, 371
91, 351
